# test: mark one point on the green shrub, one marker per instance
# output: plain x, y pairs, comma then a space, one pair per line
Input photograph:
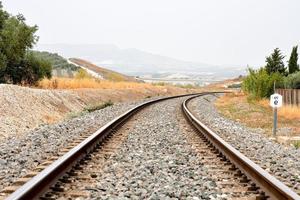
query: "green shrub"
296, 144
260, 84
292, 81
82, 74
28, 71
39, 68
235, 85
98, 106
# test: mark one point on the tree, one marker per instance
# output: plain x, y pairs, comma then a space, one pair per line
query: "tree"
3, 61
275, 63
293, 61
3, 15
16, 38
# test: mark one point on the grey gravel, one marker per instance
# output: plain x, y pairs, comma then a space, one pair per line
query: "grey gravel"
20, 154
279, 160
155, 162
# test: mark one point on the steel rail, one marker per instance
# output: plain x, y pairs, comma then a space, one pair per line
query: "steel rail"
42, 182
269, 184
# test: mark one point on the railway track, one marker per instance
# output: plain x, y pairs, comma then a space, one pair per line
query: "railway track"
80, 164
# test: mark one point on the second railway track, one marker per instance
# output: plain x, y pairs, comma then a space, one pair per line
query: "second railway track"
128, 159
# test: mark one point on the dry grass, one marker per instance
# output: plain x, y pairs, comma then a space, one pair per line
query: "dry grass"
290, 112
287, 111
69, 83
258, 114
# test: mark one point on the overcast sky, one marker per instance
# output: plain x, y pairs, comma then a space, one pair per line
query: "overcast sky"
238, 32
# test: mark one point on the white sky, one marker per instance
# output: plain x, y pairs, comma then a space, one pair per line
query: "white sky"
220, 32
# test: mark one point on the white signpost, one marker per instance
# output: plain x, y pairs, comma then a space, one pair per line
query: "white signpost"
275, 102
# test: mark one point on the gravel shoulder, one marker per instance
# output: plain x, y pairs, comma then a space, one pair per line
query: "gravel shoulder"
281, 161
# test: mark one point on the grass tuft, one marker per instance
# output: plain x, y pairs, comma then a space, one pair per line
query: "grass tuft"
296, 144
100, 106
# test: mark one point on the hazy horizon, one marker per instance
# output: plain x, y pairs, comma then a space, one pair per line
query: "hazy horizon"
215, 32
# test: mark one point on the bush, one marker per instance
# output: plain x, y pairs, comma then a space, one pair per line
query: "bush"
39, 69
292, 81
82, 74
296, 144
260, 84
28, 71
235, 85
98, 106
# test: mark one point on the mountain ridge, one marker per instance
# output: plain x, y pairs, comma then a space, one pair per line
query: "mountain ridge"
132, 61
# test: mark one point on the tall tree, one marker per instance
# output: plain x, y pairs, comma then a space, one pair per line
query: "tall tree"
16, 38
275, 63
3, 15
3, 60
293, 61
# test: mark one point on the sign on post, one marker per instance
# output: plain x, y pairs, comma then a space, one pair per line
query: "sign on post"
275, 102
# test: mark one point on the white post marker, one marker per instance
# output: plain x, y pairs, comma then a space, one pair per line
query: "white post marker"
275, 102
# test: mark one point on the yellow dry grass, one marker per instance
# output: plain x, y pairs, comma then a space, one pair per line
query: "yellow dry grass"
290, 112
287, 111
69, 83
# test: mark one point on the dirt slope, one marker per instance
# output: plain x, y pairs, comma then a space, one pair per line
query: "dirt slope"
22, 108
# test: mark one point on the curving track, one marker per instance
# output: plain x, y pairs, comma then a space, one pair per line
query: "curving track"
234, 174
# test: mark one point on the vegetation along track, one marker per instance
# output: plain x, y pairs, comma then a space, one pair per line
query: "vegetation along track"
234, 174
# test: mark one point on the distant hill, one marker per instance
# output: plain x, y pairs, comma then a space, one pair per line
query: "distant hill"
141, 63
61, 66
101, 72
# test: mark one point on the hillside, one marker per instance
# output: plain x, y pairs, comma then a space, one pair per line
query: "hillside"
60, 66
137, 62
104, 73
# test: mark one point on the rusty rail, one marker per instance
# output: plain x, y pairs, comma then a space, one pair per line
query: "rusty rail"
269, 184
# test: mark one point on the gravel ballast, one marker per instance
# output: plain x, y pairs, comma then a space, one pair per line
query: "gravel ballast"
281, 161
20, 154
155, 162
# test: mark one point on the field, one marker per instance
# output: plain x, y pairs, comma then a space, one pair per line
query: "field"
258, 114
